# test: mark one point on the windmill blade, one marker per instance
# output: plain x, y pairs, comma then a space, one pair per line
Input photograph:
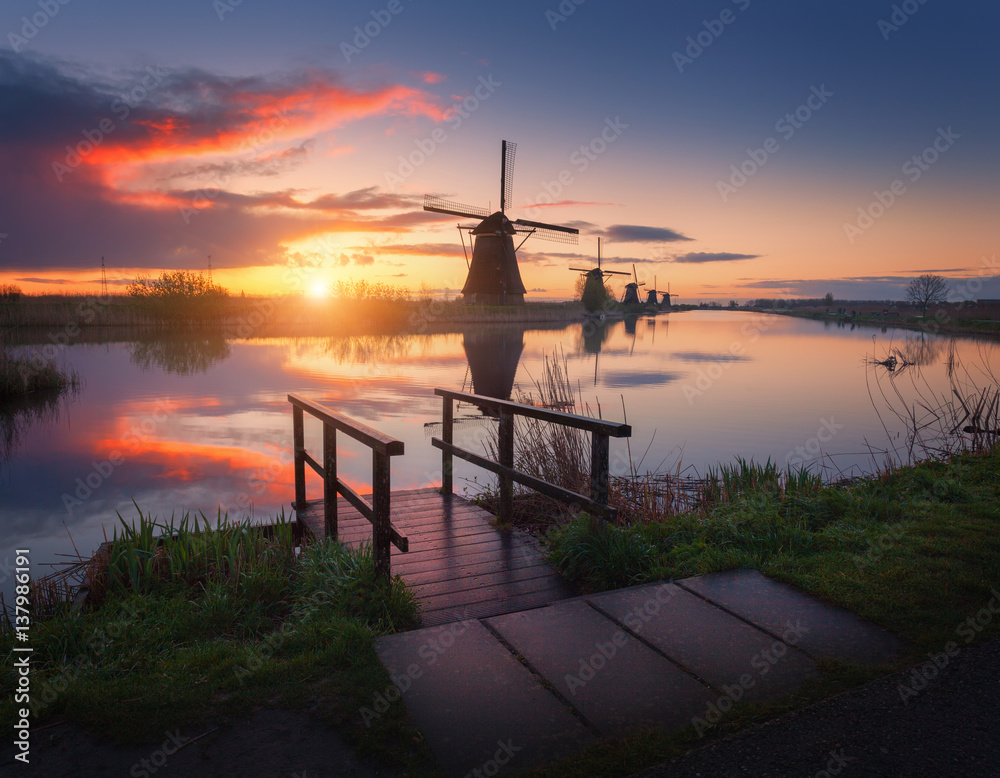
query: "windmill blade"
437, 205
615, 273
507, 150
582, 270
547, 231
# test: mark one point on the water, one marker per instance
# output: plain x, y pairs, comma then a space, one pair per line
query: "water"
177, 425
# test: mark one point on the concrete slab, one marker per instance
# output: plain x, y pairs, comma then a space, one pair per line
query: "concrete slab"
736, 659
819, 629
478, 707
615, 681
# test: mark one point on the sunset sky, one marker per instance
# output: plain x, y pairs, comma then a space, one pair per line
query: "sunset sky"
735, 149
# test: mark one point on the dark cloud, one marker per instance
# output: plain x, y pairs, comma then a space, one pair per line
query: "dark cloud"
84, 170
699, 257
633, 233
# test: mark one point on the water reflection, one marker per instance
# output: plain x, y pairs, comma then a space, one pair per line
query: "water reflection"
20, 417
493, 357
369, 349
180, 353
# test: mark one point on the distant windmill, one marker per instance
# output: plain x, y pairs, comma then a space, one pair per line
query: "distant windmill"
593, 288
631, 296
651, 296
665, 302
494, 278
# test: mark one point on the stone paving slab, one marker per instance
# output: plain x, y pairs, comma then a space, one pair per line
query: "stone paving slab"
614, 680
477, 705
720, 649
826, 631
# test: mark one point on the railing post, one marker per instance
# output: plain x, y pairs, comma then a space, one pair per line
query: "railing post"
447, 435
299, 447
505, 440
330, 479
381, 484
599, 466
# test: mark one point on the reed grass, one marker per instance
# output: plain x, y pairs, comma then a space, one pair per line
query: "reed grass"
22, 378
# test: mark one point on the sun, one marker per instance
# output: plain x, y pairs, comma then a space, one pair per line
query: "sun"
318, 290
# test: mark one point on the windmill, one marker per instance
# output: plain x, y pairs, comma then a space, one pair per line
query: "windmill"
631, 296
651, 298
494, 278
593, 289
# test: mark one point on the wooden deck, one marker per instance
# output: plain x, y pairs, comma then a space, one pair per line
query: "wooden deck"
459, 565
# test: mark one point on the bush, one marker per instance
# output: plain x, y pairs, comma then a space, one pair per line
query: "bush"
10, 292
180, 294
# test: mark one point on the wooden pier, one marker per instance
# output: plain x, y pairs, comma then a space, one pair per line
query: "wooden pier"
447, 550
458, 564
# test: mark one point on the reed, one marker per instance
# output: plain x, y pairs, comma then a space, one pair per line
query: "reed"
22, 378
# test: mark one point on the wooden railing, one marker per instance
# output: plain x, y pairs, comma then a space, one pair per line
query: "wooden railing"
505, 410
383, 447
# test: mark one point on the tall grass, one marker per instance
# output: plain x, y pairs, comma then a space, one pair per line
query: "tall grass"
22, 378
935, 425
561, 455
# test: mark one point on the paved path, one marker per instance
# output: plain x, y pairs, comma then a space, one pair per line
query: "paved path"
518, 690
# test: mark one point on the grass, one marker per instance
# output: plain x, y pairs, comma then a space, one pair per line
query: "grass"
22, 378
194, 623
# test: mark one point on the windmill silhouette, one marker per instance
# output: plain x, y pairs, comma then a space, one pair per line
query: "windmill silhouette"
494, 278
593, 289
651, 298
631, 295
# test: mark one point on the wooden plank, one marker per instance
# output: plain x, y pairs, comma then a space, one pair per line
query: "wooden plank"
611, 428
482, 581
369, 436
484, 609
458, 559
551, 490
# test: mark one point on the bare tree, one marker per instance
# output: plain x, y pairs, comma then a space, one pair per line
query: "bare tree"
927, 290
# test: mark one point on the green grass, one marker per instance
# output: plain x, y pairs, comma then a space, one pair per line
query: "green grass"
911, 550
209, 624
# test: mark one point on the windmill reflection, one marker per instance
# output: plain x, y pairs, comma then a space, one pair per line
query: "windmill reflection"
493, 356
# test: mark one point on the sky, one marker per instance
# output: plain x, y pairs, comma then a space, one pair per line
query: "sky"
732, 149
